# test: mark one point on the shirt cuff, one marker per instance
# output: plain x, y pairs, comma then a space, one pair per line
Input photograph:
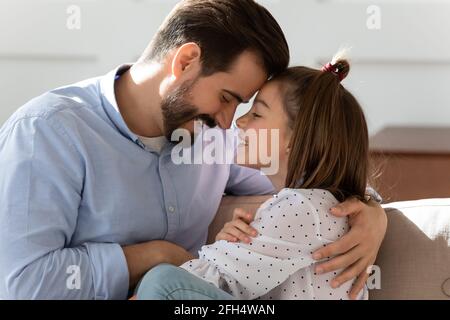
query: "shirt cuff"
373, 194
109, 267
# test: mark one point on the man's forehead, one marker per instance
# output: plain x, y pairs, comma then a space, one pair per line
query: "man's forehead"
244, 91
247, 75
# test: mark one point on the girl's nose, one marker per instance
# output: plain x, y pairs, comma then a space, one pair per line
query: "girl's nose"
242, 122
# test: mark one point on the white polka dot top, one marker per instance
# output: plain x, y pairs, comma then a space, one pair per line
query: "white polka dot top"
278, 263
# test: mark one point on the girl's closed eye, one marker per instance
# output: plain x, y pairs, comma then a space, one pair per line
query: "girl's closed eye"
256, 115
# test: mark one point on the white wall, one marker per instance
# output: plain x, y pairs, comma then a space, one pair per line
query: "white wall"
401, 73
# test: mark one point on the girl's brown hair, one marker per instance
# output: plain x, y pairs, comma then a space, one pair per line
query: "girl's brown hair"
329, 144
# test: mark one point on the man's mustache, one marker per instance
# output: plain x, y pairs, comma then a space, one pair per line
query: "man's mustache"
207, 120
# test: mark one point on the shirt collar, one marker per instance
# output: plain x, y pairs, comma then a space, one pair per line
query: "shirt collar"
109, 101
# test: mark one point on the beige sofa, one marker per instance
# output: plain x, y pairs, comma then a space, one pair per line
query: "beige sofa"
414, 259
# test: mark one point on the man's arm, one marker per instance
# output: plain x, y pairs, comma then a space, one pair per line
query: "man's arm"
40, 192
247, 182
143, 257
41, 184
358, 249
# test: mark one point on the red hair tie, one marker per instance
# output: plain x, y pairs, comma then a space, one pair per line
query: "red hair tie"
334, 70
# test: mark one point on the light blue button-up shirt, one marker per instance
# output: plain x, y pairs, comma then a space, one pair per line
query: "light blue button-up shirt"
76, 184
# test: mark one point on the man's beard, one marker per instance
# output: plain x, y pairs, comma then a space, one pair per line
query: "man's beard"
177, 111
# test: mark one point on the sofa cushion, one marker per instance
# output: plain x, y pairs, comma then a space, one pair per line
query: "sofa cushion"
414, 258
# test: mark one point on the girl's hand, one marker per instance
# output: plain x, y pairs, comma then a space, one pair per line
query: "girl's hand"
238, 229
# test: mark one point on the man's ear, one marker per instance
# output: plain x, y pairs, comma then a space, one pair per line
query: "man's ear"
186, 59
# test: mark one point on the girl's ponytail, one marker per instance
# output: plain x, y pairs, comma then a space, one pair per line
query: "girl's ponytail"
329, 144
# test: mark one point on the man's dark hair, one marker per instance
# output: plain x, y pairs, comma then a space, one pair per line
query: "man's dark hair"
223, 29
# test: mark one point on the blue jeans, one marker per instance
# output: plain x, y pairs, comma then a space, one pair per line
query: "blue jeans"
167, 282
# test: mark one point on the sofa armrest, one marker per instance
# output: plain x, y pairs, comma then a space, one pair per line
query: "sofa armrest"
414, 258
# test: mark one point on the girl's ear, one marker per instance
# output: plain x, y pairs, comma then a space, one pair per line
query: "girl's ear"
289, 138
186, 59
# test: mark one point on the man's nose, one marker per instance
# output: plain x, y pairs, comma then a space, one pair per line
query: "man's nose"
225, 118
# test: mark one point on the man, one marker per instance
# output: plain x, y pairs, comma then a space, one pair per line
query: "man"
89, 197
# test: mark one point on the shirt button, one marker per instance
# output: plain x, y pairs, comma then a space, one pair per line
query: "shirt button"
171, 209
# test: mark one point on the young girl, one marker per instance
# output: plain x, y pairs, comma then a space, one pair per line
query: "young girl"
323, 160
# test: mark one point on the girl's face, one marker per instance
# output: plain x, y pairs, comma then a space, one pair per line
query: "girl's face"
268, 122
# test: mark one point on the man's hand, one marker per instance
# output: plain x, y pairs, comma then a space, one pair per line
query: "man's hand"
143, 257
358, 249
238, 228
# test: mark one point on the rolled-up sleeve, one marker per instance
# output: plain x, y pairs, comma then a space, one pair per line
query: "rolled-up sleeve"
109, 270
41, 183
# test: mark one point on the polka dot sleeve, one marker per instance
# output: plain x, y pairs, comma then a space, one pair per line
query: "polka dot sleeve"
291, 226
